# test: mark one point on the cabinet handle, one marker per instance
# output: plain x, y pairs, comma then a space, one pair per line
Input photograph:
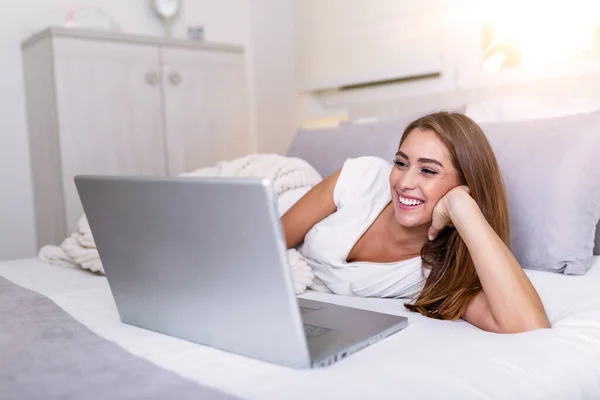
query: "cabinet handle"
175, 78
152, 78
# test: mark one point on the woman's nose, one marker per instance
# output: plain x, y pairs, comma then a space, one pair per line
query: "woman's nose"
408, 180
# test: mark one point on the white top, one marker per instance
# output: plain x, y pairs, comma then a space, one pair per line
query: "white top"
361, 193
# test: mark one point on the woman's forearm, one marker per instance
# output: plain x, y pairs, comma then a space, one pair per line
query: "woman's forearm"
513, 301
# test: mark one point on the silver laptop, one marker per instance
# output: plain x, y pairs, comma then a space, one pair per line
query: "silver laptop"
204, 259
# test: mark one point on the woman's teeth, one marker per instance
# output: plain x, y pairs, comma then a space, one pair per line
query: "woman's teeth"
409, 202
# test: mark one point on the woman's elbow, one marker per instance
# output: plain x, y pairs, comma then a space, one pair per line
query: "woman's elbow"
525, 325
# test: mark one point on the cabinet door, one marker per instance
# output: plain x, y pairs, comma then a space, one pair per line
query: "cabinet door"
109, 112
206, 109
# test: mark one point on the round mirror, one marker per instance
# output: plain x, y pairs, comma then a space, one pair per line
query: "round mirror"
166, 9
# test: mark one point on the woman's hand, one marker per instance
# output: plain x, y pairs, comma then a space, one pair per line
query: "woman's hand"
441, 217
508, 302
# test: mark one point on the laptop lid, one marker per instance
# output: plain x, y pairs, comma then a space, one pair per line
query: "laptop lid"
202, 259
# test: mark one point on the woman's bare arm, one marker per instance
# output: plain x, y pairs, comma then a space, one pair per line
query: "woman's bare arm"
479, 314
509, 303
313, 207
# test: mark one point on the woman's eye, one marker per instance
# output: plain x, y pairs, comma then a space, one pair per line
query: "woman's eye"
429, 171
400, 163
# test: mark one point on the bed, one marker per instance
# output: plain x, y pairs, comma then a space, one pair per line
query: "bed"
430, 359
63, 322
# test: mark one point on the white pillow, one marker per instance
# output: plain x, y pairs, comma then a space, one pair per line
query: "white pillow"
505, 109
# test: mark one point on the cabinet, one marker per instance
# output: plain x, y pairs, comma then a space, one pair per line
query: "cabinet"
105, 103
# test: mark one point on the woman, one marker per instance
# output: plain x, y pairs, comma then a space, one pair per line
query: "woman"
432, 227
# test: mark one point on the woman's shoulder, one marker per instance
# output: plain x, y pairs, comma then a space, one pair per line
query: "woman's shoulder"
361, 176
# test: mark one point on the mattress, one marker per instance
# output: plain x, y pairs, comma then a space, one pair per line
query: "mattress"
429, 359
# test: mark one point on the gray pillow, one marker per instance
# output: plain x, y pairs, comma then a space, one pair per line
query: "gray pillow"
550, 169
326, 149
552, 182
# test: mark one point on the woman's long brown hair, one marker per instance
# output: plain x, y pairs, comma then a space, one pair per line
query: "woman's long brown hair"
452, 282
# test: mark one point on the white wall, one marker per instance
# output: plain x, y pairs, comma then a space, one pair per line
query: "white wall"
274, 62
226, 21
266, 29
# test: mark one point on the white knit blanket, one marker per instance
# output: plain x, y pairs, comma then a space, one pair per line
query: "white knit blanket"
291, 178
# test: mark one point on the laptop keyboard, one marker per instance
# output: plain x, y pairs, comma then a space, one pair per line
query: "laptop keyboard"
312, 331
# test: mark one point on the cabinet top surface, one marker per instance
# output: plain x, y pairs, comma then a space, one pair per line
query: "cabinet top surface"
99, 35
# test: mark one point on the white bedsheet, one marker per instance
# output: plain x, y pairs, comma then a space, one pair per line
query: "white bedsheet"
428, 360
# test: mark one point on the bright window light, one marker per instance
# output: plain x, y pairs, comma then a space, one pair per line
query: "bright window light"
534, 33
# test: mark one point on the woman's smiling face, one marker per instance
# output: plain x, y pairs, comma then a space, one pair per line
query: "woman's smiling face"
422, 175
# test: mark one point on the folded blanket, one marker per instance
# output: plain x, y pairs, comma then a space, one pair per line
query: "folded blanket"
291, 178
47, 354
